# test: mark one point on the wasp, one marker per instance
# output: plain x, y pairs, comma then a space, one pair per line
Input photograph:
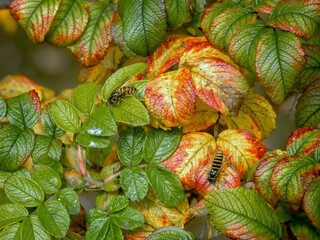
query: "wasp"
216, 166
118, 94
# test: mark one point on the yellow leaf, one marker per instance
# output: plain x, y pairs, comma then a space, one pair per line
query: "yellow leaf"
7, 22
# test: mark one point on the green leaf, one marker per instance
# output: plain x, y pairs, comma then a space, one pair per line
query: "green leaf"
226, 24
211, 13
311, 202
290, 178
32, 229
130, 146
84, 96
92, 141
172, 233
131, 111
118, 203
114, 232
65, 115
94, 214
24, 191
117, 78
262, 177
49, 126
100, 123
177, 12
35, 16
98, 229
10, 232
303, 141
3, 107
15, 147
242, 212
48, 179
300, 18
46, 147
166, 184
68, 23
70, 200
308, 107
54, 218
243, 44
141, 87
279, 60
3, 178
128, 218
11, 213
94, 43
302, 229
160, 144
134, 183
148, 29
24, 109
311, 72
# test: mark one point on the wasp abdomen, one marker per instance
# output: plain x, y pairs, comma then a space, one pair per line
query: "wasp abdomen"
216, 166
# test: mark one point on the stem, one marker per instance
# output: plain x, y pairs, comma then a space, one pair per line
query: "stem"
108, 179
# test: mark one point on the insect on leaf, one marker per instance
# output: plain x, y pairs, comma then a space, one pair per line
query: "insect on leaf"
35, 16
94, 43
191, 160
217, 80
242, 212
68, 23
117, 78
170, 98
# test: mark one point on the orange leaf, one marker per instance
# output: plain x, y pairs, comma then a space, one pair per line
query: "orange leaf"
170, 98
192, 160
169, 53
217, 80
245, 148
13, 85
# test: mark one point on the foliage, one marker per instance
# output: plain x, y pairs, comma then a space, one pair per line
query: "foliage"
164, 86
